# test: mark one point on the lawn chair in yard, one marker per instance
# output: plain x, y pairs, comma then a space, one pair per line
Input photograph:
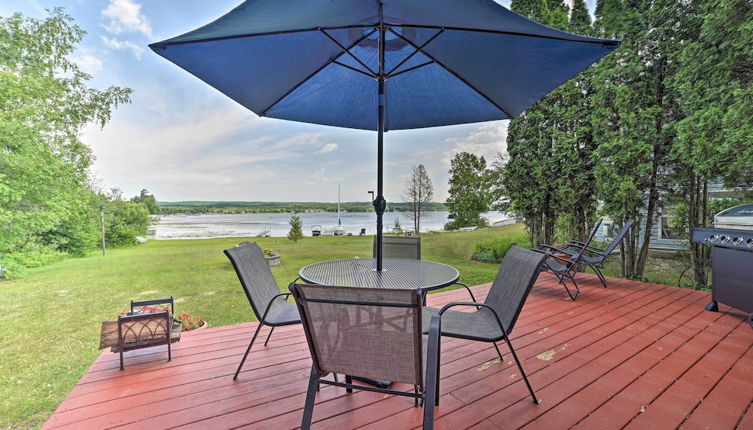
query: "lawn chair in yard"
565, 264
368, 333
268, 303
494, 319
595, 257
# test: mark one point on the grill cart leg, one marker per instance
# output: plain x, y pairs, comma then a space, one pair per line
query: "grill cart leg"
712, 306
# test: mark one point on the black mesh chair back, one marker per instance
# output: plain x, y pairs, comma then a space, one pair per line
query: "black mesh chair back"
266, 300
517, 274
365, 332
581, 250
399, 247
256, 278
618, 238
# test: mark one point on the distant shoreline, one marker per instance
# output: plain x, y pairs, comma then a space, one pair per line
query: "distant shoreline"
235, 207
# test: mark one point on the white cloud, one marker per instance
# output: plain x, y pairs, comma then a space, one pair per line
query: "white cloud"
125, 17
119, 45
88, 63
327, 148
320, 176
489, 139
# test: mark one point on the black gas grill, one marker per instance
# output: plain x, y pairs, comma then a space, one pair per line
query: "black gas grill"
732, 267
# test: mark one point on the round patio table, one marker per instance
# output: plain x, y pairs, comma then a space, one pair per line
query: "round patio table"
398, 273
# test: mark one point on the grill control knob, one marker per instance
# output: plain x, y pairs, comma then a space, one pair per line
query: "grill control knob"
737, 240
749, 242
712, 238
724, 239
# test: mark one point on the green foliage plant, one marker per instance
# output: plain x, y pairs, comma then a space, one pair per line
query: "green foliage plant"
469, 195
296, 229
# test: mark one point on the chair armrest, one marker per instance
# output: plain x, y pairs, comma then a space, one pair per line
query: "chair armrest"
269, 305
589, 248
467, 289
477, 305
553, 248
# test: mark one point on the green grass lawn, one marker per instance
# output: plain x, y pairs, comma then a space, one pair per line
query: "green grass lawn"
50, 319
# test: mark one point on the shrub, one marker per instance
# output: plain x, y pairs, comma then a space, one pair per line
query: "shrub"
494, 250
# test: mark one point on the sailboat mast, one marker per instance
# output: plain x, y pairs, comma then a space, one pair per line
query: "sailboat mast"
338, 205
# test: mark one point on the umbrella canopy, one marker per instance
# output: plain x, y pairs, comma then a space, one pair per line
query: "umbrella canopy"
382, 65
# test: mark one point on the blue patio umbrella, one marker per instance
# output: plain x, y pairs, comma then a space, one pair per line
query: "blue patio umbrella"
382, 65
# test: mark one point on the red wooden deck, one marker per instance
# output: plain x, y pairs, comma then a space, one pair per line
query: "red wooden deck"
633, 356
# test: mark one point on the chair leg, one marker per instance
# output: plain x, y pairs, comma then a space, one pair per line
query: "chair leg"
431, 390
256, 333
268, 336
348, 380
600, 275
308, 409
121, 357
501, 358
522, 372
564, 284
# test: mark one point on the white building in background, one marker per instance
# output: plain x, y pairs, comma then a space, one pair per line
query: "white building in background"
668, 238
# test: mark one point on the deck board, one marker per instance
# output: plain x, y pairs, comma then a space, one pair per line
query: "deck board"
634, 355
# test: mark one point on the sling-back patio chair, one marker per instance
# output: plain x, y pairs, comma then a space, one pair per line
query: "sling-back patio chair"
347, 333
494, 319
564, 265
399, 247
409, 248
269, 304
595, 257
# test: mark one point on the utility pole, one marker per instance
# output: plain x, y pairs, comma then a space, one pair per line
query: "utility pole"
102, 212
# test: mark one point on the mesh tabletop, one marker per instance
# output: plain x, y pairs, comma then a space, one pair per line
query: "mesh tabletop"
398, 273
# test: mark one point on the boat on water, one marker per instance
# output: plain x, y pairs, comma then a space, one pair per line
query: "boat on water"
337, 230
316, 230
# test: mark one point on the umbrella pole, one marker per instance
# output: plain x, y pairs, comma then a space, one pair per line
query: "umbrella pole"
380, 203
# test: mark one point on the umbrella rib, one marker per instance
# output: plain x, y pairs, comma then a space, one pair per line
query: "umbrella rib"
353, 69
410, 69
306, 79
347, 50
163, 45
423, 45
455, 74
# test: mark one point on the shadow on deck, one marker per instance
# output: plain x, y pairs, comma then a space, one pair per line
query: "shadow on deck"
634, 355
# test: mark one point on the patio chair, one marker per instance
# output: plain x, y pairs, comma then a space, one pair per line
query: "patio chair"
268, 303
407, 247
347, 332
494, 319
399, 247
595, 257
564, 264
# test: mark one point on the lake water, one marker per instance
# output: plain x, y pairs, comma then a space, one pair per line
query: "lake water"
205, 226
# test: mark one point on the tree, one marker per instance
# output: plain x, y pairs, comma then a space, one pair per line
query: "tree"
635, 114
148, 200
418, 193
44, 104
714, 85
468, 193
296, 229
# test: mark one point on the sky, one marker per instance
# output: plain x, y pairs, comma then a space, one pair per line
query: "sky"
183, 140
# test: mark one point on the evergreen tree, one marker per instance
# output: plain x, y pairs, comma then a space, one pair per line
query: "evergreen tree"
296, 229
715, 139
